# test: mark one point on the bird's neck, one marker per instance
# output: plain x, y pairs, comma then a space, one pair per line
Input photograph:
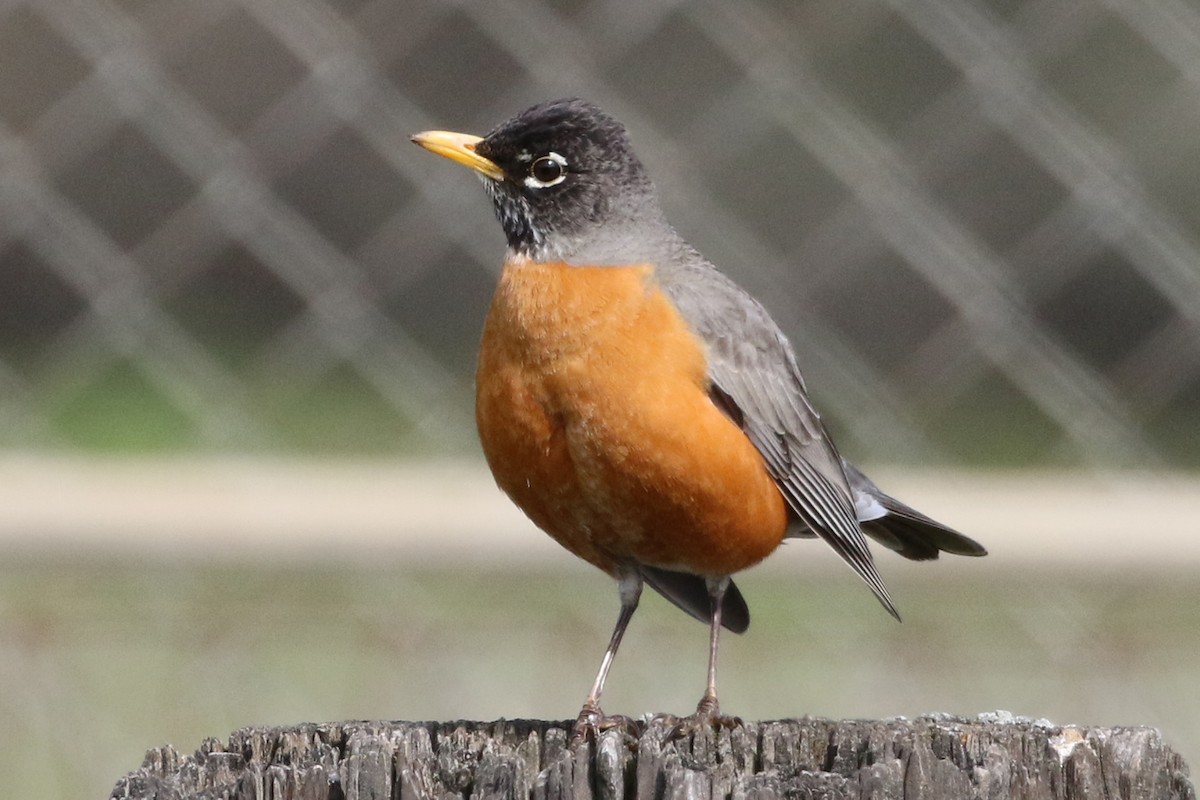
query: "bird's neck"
616, 243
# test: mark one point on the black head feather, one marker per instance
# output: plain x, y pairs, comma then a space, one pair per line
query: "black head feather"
569, 172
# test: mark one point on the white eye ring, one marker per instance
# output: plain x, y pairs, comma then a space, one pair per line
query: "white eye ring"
536, 183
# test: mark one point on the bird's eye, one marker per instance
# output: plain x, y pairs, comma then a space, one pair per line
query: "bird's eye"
548, 170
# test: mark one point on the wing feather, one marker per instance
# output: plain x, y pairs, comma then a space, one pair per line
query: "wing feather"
751, 364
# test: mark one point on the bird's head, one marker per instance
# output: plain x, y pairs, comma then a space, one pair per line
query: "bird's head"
562, 176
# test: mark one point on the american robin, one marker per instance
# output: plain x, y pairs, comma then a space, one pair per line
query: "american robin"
639, 406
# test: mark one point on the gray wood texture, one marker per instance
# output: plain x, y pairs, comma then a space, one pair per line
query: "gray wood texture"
939, 757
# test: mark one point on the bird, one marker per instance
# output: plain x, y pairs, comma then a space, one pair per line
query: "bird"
638, 405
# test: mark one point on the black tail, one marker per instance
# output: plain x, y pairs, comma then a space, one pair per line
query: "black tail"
690, 593
906, 530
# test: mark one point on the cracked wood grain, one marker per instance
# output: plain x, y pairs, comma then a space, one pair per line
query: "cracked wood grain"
936, 758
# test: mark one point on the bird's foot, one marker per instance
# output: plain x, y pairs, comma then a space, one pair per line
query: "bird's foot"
592, 722
708, 716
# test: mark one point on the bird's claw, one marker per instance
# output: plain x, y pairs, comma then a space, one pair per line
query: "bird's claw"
593, 722
708, 716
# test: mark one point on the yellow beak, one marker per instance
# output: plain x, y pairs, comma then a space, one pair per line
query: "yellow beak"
459, 147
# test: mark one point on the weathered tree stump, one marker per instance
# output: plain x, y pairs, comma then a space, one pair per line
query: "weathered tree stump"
995, 756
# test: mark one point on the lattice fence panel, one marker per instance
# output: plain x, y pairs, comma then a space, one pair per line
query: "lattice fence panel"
978, 220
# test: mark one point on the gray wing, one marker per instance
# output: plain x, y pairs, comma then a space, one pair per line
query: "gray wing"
756, 381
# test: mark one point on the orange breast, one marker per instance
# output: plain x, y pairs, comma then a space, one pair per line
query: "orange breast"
593, 411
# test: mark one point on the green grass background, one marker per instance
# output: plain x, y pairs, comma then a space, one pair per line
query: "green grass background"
121, 411
102, 659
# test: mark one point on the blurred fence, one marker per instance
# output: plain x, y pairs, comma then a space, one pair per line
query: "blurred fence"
977, 220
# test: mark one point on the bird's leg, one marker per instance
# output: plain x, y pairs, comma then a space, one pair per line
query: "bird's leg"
708, 710
591, 718
708, 705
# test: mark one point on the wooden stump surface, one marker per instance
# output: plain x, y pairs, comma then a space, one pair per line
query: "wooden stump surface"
994, 756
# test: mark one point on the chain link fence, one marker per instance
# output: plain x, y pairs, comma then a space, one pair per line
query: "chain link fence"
977, 220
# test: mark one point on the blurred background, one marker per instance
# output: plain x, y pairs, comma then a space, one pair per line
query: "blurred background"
239, 481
